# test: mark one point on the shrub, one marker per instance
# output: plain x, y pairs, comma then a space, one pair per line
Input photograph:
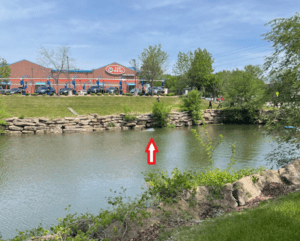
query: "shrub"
34, 94
51, 94
85, 93
99, 94
147, 94
66, 94
171, 94
117, 93
112, 94
140, 94
76, 93
192, 104
27, 94
160, 113
240, 115
21, 117
7, 93
128, 116
44, 94
171, 126
157, 94
106, 94
123, 93
93, 94
129, 94
111, 124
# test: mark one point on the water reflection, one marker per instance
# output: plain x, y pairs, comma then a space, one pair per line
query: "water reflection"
41, 175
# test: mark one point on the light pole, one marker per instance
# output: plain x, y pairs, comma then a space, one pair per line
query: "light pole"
135, 78
68, 71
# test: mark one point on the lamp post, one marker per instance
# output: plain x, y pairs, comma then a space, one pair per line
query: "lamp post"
68, 71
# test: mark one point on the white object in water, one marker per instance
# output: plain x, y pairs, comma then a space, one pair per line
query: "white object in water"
151, 129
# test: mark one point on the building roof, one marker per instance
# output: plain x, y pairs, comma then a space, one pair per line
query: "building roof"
74, 71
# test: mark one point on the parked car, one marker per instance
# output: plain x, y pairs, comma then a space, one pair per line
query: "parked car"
132, 91
45, 90
82, 92
95, 89
155, 90
14, 91
2, 91
66, 90
112, 90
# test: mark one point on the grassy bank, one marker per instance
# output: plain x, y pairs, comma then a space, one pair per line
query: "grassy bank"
57, 107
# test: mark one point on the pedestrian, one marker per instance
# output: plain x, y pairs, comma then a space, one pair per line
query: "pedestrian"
158, 99
210, 105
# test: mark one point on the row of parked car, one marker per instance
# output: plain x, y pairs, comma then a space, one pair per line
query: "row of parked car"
93, 89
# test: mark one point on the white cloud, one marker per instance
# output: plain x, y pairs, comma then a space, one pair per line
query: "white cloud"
16, 9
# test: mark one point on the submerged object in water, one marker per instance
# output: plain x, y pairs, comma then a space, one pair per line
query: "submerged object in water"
289, 127
150, 129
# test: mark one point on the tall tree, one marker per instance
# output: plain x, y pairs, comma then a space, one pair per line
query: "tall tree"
181, 69
153, 64
58, 60
201, 71
4, 70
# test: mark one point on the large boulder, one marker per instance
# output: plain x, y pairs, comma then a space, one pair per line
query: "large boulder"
23, 123
291, 172
15, 128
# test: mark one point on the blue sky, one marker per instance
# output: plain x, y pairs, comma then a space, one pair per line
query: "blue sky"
102, 32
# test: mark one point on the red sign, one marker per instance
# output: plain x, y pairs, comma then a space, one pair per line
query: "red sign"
115, 69
151, 150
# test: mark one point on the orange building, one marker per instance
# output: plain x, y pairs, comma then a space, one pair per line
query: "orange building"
36, 75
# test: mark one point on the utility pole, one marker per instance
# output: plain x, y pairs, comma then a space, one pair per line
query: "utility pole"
135, 78
68, 71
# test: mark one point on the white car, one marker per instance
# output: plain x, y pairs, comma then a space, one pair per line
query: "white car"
209, 98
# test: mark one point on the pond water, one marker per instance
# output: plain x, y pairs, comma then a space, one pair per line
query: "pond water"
41, 175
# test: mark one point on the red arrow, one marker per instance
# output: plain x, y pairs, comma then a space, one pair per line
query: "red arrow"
151, 150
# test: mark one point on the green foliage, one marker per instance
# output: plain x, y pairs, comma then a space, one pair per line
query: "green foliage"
3, 114
117, 93
7, 93
111, 124
27, 94
240, 115
51, 94
200, 73
76, 93
99, 94
160, 113
153, 61
112, 94
171, 94
4, 70
34, 94
129, 94
93, 94
21, 117
192, 104
171, 126
128, 116
123, 93
140, 94
66, 94
44, 94
85, 93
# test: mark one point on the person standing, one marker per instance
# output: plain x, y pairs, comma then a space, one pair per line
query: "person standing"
210, 105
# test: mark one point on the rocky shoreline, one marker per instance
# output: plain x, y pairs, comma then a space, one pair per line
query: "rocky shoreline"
94, 122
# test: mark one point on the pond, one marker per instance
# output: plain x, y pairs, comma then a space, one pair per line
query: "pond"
41, 175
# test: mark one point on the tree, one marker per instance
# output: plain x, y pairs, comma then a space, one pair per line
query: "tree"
201, 71
153, 63
181, 69
221, 78
58, 61
4, 70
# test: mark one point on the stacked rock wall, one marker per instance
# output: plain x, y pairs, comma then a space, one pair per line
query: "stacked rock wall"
94, 122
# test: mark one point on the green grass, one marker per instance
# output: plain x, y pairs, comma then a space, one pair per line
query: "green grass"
51, 107
271, 220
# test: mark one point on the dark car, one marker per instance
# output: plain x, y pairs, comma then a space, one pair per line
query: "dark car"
2, 91
14, 91
155, 90
45, 90
95, 89
137, 90
112, 90
66, 90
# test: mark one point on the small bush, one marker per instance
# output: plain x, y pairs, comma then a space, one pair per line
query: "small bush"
147, 94
51, 94
192, 104
140, 94
34, 94
129, 94
76, 93
160, 113
171, 94
27, 94
123, 93
117, 93
99, 94
93, 94
21, 117
7, 93
106, 94
171, 125
157, 94
128, 116
111, 124
85, 93
112, 94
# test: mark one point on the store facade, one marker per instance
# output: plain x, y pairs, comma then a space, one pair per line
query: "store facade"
35, 75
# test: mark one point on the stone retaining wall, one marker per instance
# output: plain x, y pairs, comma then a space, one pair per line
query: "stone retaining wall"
94, 122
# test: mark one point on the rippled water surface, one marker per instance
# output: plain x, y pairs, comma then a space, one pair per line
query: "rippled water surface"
41, 175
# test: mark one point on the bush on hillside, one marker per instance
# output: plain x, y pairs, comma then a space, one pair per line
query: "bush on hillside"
128, 116
192, 104
171, 94
160, 113
240, 115
129, 94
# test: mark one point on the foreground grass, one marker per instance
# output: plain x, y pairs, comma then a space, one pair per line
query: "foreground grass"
52, 107
271, 220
